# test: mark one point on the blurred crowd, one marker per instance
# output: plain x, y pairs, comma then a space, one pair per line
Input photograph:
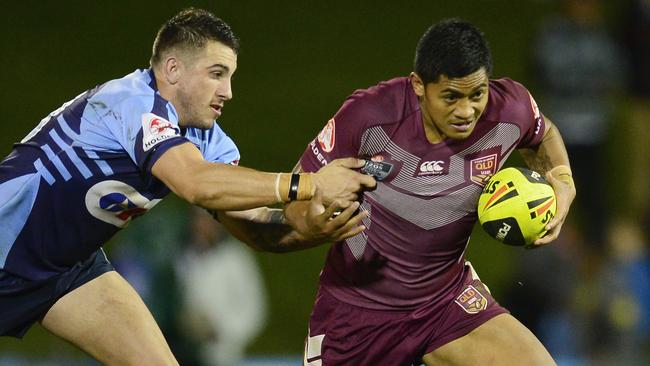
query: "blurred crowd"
209, 299
588, 296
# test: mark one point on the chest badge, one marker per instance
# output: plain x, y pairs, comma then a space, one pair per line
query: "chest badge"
482, 168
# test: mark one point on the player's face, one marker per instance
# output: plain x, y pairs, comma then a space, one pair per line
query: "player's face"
205, 85
451, 107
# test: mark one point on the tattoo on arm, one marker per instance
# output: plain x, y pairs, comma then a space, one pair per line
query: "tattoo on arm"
538, 160
276, 217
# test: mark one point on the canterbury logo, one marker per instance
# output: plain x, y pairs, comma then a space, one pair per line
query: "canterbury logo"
434, 166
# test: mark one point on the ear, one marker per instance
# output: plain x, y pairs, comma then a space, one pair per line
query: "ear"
172, 69
417, 83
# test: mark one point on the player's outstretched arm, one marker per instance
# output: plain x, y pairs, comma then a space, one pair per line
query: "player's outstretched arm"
226, 187
550, 158
268, 229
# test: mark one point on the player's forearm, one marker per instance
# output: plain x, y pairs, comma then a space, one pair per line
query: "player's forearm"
219, 186
226, 187
550, 153
264, 229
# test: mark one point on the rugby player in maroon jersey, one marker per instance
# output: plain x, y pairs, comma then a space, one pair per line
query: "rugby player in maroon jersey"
401, 292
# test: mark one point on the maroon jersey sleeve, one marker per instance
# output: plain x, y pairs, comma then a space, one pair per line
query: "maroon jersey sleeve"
520, 108
341, 137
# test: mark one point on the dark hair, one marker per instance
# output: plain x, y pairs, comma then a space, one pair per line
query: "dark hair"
191, 28
452, 47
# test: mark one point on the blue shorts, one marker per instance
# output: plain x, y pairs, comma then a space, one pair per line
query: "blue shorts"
24, 302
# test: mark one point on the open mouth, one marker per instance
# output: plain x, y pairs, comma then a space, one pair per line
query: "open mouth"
462, 127
216, 108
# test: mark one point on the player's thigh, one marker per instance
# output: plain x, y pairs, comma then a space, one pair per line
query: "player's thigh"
502, 340
107, 318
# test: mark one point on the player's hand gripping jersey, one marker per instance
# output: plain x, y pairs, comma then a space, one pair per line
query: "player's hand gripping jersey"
85, 172
424, 207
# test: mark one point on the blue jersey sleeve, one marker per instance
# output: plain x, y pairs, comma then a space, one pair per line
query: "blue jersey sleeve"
214, 144
145, 127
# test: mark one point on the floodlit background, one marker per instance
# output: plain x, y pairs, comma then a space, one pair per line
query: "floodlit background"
587, 297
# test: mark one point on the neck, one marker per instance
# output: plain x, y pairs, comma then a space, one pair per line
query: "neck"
164, 88
430, 131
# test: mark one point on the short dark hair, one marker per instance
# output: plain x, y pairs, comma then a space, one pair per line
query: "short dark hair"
452, 47
191, 28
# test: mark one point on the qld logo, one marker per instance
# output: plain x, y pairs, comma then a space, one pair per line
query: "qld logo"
482, 168
117, 203
471, 300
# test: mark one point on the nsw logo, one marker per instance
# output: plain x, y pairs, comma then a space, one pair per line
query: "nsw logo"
155, 130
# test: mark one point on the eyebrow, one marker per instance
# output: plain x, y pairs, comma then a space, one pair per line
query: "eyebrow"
226, 68
455, 91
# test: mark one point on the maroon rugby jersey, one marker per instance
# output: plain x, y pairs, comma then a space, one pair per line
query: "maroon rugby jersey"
422, 213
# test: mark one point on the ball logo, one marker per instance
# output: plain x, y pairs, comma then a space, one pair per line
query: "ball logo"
503, 231
327, 136
155, 130
116, 203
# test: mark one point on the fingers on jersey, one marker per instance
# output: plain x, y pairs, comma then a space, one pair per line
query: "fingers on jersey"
341, 226
349, 222
107, 319
352, 163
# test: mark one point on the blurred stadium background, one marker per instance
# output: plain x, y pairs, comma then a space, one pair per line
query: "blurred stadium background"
589, 302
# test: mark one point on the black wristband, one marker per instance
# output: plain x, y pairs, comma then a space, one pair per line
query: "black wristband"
293, 187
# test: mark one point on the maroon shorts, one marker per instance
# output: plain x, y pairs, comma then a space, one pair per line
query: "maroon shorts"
344, 334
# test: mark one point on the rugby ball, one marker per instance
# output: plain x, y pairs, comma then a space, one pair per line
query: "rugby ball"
515, 206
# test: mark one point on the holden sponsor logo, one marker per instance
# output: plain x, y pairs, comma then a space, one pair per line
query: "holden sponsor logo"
536, 114
319, 156
432, 167
471, 300
156, 129
116, 203
482, 168
327, 136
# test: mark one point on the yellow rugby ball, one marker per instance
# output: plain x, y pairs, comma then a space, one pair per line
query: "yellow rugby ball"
515, 206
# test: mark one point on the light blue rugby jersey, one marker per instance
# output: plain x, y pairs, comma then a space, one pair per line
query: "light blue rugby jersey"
85, 172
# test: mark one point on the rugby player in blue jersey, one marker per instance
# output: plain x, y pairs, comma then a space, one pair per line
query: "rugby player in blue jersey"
108, 156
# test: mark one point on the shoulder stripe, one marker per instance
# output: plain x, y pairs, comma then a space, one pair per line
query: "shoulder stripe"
83, 169
44, 173
103, 165
58, 164
69, 133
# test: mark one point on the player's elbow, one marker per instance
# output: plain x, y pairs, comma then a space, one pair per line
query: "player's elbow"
196, 195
